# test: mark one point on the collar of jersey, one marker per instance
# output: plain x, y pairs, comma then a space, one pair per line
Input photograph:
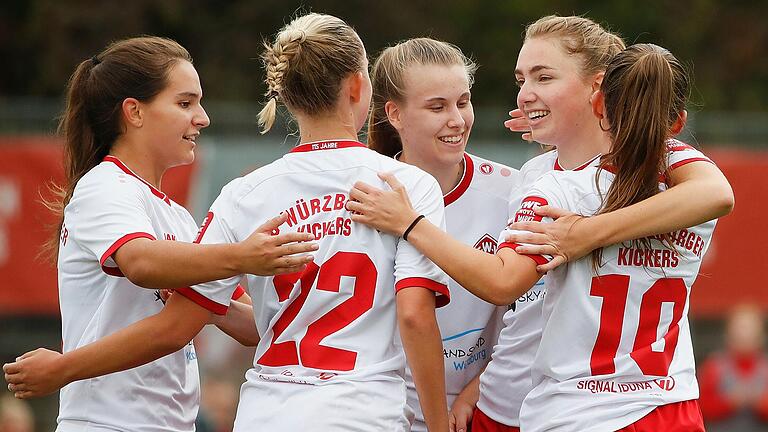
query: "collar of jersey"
326, 145
459, 189
156, 192
578, 168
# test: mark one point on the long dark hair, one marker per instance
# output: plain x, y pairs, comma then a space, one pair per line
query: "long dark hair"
645, 89
131, 68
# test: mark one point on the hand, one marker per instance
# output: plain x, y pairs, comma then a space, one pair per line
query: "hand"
265, 253
388, 211
557, 238
165, 294
519, 123
460, 417
34, 374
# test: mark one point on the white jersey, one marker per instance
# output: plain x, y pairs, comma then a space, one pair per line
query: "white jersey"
617, 345
475, 211
110, 206
336, 321
507, 378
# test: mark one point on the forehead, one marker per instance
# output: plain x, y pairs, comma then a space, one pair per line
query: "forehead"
436, 81
183, 78
548, 52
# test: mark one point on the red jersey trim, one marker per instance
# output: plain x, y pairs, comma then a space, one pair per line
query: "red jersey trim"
204, 227
538, 259
466, 179
125, 169
557, 166
115, 271
678, 164
326, 145
239, 291
218, 309
443, 295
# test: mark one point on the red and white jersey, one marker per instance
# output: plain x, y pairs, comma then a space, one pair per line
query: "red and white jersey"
617, 345
336, 321
507, 378
110, 206
475, 211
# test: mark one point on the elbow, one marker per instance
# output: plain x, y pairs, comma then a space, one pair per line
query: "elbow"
140, 272
726, 201
502, 294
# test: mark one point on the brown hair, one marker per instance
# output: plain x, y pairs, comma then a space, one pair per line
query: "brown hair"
388, 80
92, 120
645, 89
580, 36
307, 63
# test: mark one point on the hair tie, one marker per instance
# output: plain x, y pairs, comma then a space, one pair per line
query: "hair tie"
95, 60
273, 94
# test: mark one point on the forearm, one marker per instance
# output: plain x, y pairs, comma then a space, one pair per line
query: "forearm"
172, 264
484, 275
701, 193
471, 392
238, 323
421, 340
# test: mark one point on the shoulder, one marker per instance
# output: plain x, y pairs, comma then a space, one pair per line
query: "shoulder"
537, 166
106, 182
492, 178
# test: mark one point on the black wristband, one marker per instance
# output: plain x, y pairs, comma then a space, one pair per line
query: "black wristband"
411, 226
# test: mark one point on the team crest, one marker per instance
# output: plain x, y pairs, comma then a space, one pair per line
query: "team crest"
487, 244
486, 168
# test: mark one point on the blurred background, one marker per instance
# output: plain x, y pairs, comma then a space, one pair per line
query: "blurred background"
725, 44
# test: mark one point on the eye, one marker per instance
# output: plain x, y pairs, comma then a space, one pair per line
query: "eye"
545, 78
463, 103
519, 82
436, 108
185, 104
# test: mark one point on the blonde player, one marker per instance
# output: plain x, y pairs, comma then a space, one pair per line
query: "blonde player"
422, 114
382, 209
133, 111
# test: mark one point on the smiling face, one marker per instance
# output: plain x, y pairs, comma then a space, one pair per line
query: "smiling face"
436, 116
173, 119
554, 93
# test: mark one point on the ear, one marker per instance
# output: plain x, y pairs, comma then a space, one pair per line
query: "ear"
393, 114
597, 81
679, 124
132, 112
356, 87
598, 104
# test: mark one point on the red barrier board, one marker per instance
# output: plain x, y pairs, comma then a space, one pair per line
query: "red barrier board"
27, 165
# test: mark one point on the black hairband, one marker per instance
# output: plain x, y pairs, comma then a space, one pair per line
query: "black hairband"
273, 94
95, 60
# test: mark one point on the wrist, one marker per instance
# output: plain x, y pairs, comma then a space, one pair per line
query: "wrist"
415, 221
61, 369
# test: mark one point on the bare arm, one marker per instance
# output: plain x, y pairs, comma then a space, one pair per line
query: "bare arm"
424, 350
238, 323
499, 279
700, 193
170, 264
42, 371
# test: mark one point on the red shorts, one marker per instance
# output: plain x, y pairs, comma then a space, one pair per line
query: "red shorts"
483, 423
676, 417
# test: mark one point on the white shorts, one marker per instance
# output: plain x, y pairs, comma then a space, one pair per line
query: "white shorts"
346, 406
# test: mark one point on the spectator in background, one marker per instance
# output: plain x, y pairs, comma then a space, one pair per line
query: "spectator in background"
15, 415
734, 382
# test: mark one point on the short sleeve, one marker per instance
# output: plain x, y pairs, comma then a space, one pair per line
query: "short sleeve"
680, 153
540, 194
216, 229
105, 215
412, 269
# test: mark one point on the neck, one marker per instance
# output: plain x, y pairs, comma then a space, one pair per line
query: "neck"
583, 149
326, 127
447, 176
139, 161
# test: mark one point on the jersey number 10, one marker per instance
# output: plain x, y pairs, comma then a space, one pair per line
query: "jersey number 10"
614, 289
328, 277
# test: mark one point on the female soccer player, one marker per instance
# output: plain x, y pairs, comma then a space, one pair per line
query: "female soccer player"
133, 111
559, 73
327, 358
422, 114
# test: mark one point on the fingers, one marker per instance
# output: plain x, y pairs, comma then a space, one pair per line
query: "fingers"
557, 261
356, 207
297, 248
536, 250
293, 237
29, 354
552, 211
451, 422
273, 224
528, 237
391, 180
530, 226
18, 387
365, 187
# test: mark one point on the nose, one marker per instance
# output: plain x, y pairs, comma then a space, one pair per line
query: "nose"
525, 95
201, 120
456, 120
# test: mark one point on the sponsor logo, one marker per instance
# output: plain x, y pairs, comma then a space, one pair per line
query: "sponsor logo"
486, 168
487, 244
597, 386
